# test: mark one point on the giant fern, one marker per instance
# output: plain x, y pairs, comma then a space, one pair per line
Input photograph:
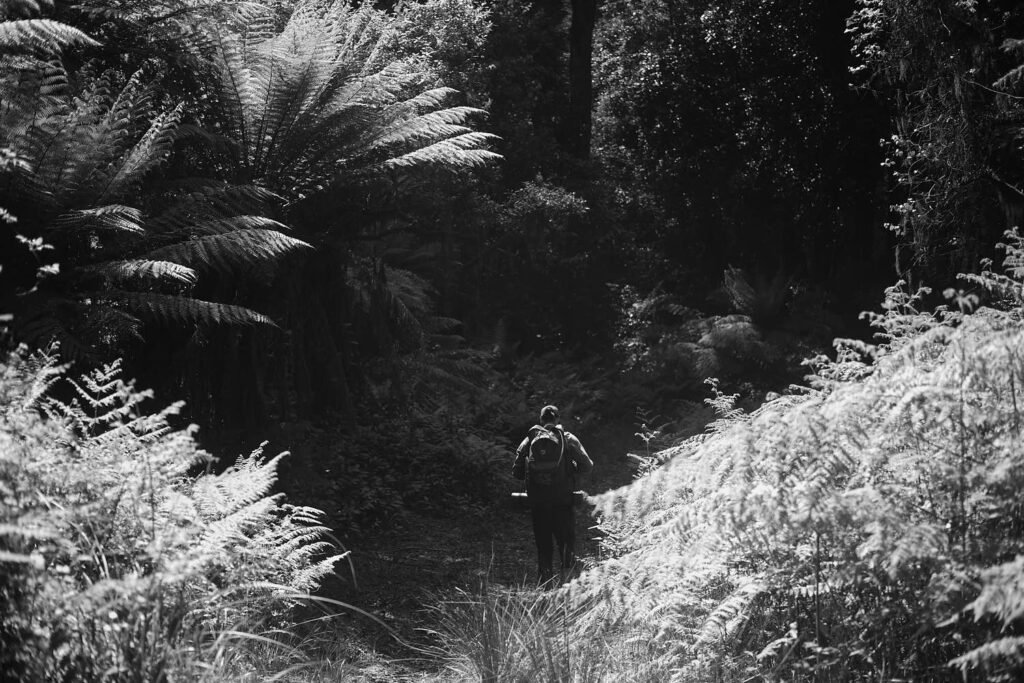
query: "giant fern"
318, 105
80, 159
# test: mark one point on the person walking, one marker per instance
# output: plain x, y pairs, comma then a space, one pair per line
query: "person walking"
548, 459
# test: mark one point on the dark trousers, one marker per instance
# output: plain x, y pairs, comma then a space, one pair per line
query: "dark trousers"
556, 522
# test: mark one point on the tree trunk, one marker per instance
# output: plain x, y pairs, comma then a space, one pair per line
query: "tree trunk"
581, 91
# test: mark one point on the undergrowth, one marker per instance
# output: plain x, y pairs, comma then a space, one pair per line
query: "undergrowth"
867, 526
527, 635
117, 565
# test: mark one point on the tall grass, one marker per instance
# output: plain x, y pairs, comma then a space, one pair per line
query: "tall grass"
501, 634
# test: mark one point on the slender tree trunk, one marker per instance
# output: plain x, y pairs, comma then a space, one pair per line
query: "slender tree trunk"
581, 90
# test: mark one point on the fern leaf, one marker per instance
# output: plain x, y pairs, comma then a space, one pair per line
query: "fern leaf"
462, 151
1001, 654
45, 34
434, 126
173, 310
212, 202
142, 271
231, 251
111, 217
220, 226
147, 154
1012, 81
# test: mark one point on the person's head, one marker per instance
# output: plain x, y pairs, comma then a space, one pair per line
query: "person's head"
548, 415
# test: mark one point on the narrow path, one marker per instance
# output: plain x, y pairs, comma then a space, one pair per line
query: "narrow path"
418, 560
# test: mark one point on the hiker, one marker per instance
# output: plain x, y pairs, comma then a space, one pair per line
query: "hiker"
549, 458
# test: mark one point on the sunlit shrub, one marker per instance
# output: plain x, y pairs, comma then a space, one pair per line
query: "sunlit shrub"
865, 527
116, 563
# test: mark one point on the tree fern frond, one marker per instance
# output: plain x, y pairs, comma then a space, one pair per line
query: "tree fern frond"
212, 202
40, 34
110, 217
463, 151
147, 154
432, 99
230, 251
446, 123
24, 8
237, 91
173, 310
141, 272
220, 226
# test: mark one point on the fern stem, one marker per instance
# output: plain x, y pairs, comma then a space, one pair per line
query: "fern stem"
817, 579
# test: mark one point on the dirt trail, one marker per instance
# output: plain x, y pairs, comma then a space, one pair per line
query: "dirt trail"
415, 559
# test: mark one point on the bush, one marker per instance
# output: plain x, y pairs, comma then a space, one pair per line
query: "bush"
118, 565
866, 527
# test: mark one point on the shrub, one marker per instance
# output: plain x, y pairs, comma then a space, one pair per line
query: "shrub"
865, 527
118, 565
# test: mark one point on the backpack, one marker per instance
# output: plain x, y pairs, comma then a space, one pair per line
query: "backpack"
547, 466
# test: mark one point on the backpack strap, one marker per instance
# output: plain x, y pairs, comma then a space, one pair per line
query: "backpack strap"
561, 440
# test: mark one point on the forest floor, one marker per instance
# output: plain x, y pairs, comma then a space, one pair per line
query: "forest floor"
415, 562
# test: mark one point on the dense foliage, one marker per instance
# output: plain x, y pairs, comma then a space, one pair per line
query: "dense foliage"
867, 526
117, 564
381, 234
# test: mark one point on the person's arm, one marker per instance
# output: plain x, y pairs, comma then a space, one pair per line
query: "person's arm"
579, 454
519, 466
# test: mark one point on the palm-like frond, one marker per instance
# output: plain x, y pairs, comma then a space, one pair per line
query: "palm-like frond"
40, 35
116, 217
317, 105
141, 271
230, 252
71, 162
176, 311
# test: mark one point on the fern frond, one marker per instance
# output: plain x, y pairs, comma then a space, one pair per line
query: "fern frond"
173, 310
24, 8
140, 272
111, 217
220, 226
147, 154
462, 151
1000, 659
1012, 81
40, 34
446, 123
213, 202
234, 251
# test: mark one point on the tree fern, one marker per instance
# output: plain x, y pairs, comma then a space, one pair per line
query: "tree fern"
118, 265
312, 106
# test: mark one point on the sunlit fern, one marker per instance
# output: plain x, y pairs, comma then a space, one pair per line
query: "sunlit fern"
866, 524
318, 105
112, 556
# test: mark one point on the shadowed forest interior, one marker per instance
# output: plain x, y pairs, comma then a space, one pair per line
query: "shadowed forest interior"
284, 283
